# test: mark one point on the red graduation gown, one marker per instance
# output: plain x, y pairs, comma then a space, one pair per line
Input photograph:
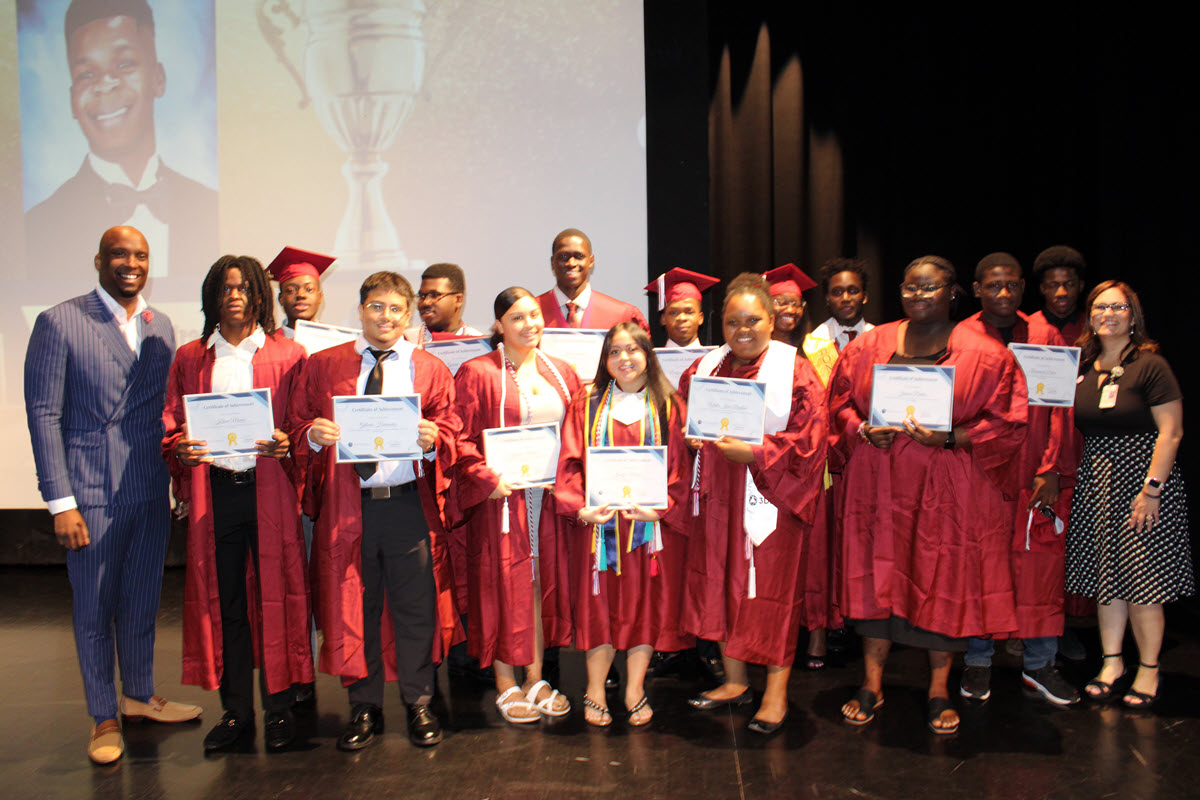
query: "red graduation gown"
277, 598
500, 565
334, 493
1038, 567
925, 532
635, 607
602, 312
787, 469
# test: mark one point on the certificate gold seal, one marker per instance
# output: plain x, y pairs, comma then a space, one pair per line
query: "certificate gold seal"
1041, 388
378, 442
724, 423
524, 470
626, 492
232, 437
910, 410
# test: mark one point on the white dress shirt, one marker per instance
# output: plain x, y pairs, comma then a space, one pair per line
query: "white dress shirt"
693, 344
585, 297
832, 330
233, 371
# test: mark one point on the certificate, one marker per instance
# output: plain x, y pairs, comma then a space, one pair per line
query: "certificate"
1050, 372
377, 427
523, 455
579, 347
230, 422
730, 407
923, 392
675, 360
622, 476
454, 352
317, 336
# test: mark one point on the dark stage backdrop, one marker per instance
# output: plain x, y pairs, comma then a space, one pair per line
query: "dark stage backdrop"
887, 136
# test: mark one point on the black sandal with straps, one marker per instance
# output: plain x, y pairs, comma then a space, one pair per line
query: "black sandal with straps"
1141, 700
1103, 690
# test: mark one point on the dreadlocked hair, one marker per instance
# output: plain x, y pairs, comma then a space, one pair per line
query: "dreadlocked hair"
258, 293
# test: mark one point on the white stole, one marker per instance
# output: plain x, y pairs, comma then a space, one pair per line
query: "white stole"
760, 517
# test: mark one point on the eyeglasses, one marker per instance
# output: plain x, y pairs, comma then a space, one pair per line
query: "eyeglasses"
782, 303
995, 287
434, 296
853, 291
380, 308
910, 289
1118, 308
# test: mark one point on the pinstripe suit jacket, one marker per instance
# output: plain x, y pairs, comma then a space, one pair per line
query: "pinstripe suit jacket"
94, 406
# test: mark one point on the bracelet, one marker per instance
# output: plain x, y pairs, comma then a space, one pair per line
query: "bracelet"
862, 430
1151, 496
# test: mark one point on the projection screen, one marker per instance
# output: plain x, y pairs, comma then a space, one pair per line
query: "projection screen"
390, 133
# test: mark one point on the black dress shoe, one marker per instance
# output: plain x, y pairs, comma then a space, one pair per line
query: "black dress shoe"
707, 704
757, 725
279, 730
423, 727
227, 733
365, 722
715, 667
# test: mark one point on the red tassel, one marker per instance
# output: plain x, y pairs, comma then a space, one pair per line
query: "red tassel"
654, 566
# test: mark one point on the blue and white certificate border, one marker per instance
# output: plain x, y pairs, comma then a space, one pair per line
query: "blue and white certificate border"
344, 455
659, 453
197, 401
758, 393
508, 432
1069, 354
946, 372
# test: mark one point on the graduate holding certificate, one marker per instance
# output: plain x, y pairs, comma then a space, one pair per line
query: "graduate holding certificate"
244, 545
925, 531
626, 566
509, 540
752, 510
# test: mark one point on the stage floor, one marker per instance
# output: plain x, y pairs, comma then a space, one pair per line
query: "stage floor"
1013, 746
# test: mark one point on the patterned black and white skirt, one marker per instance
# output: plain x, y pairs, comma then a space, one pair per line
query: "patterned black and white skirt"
1108, 560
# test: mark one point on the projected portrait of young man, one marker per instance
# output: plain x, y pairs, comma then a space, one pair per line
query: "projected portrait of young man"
115, 82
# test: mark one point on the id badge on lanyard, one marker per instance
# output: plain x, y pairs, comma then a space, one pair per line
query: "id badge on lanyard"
1108, 396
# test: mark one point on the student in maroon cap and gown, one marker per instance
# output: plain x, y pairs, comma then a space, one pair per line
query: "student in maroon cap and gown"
518, 598
753, 508
246, 593
390, 515
573, 303
787, 285
680, 295
1048, 461
925, 527
626, 567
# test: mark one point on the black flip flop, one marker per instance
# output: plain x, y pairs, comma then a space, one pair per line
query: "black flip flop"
937, 705
867, 703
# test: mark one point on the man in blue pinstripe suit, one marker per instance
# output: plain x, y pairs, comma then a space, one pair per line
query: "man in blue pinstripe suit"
95, 384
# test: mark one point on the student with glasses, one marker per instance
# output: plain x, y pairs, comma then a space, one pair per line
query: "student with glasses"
923, 526
1127, 544
439, 304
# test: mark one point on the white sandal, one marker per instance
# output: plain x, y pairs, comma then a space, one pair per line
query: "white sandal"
546, 706
505, 705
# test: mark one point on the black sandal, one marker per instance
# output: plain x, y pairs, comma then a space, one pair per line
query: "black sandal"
1103, 690
938, 705
867, 703
1142, 700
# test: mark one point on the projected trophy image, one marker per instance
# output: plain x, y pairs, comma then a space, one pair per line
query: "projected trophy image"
361, 67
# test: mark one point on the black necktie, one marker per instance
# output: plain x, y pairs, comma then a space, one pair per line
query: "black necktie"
374, 385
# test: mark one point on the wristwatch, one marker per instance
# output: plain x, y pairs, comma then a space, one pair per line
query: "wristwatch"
949, 444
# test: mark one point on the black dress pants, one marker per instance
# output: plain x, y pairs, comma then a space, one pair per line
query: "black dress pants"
397, 569
235, 531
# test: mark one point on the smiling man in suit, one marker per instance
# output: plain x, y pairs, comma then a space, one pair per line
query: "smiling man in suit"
95, 384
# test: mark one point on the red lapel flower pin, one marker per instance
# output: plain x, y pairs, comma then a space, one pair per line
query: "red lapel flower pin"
147, 316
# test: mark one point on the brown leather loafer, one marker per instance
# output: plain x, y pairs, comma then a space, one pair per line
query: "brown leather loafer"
106, 745
158, 710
